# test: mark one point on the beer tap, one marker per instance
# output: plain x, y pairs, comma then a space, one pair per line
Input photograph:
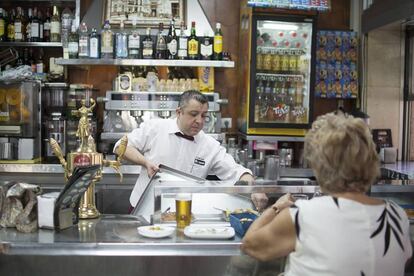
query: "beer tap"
86, 155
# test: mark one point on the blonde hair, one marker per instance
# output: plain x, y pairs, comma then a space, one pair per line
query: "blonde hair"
342, 154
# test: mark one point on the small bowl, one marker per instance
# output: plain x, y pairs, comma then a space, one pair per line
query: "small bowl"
241, 222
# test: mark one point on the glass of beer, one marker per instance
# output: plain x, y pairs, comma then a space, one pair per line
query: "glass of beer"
183, 209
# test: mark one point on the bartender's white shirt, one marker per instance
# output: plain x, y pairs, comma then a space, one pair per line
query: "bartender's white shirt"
342, 237
157, 141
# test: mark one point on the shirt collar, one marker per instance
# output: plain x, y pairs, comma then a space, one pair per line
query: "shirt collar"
173, 128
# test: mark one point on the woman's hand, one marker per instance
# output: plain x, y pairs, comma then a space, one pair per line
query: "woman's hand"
151, 168
284, 201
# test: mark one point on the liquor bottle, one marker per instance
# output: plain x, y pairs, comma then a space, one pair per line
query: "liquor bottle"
134, 42
148, 46
34, 27
46, 27
94, 44
3, 33
55, 26
73, 43
172, 41
218, 43
107, 41
182, 43
83, 41
121, 42
206, 47
19, 26
41, 25
67, 21
32, 61
28, 25
161, 46
19, 61
10, 26
26, 56
193, 43
40, 66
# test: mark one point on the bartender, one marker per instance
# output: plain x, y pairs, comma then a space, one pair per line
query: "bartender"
181, 143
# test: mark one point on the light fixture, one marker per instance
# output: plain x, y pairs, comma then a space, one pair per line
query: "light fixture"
278, 26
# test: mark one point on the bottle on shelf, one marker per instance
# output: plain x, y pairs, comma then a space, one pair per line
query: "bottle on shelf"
19, 61
107, 41
161, 46
3, 32
26, 56
148, 46
83, 41
182, 43
10, 26
172, 41
19, 27
41, 25
94, 44
121, 42
134, 42
193, 43
218, 43
32, 60
67, 21
28, 25
40, 66
35, 26
206, 47
55, 26
46, 26
73, 43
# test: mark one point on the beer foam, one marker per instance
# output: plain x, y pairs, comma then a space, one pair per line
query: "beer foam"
183, 196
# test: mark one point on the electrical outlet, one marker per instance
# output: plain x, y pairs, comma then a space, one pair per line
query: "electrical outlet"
225, 122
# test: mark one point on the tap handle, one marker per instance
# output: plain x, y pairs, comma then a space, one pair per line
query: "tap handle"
58, 152
122, 148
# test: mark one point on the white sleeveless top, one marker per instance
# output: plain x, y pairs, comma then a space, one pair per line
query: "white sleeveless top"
337, 236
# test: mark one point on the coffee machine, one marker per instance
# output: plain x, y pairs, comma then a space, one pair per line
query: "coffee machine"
20, 137
125, 111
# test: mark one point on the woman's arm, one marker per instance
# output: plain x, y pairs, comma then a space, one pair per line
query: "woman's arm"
273, 234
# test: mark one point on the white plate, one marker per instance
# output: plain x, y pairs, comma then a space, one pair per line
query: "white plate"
209, 232
155, 231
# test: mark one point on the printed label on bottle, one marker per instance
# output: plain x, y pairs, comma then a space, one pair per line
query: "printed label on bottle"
183, 43
73, 47
39, 68
18, 28
2, 27
94, 48
46, 26
34, 28
55, 27
218, 44
193, 47
83, 47
133, 41
107, 43
172, 47
206, 50
147, 48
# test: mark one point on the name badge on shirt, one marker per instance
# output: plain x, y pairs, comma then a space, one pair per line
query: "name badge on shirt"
199, 161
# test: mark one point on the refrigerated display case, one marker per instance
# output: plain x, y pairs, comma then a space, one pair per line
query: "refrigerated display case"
277, 61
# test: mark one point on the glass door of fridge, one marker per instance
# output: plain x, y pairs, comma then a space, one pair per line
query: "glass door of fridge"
280, 81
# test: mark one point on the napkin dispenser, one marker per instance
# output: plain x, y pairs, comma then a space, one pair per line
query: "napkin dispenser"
60, 210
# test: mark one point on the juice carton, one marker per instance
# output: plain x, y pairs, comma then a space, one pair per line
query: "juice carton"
206, 79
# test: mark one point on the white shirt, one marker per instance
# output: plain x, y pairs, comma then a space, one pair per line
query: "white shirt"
157, 141
337, 236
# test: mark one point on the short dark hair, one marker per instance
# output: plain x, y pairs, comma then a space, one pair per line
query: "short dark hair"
192, 95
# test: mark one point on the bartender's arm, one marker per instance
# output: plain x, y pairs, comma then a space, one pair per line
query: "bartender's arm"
133, 155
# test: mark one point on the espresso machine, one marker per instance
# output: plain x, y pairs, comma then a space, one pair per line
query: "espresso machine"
20, 137
125, 111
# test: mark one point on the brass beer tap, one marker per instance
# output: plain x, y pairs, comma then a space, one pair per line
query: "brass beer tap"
86, 155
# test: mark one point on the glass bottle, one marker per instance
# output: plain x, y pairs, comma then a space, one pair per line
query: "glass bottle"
10, 26
121, 42
55, 26
193, 43
41, 25
28, 24
148, 46
134, 42
46, 27
35, 27
161, 46
107, 41
19, 26
182, 43
172, 41
3, 33
83, 41
206, 47
218, 43
73, 43
40, 66
94, 44
67, 21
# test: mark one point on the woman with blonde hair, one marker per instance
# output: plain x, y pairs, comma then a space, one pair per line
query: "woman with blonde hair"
344, 232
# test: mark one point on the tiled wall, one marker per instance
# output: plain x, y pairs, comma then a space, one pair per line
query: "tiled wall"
384, 79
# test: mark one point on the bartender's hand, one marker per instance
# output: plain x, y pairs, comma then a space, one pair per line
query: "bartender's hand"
151, 168
259, 199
